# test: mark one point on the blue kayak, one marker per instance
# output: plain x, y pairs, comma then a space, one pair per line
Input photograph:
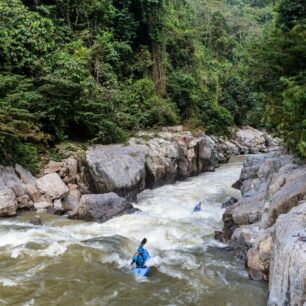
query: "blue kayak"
143, 271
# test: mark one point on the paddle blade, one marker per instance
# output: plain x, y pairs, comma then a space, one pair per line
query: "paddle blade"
143, 242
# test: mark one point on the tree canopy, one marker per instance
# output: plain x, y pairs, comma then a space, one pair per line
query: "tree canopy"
98, 70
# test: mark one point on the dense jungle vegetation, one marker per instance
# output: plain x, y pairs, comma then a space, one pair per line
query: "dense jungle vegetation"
97, 70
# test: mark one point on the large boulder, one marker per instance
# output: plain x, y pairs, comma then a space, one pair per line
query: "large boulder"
8, 203
288, 263
102, 207
52, 186
117, 168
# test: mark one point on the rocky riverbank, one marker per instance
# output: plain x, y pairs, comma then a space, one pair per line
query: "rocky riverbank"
269, 223
104, 183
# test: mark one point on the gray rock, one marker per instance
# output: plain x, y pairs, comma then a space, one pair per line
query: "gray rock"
161, 162
102, 207
229, 202
12, 181
25, 175
288, 196
52, 185
288, 264
117, 168
72, 202
8, 203
36, 220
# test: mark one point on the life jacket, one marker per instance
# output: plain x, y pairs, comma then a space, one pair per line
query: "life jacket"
141, 257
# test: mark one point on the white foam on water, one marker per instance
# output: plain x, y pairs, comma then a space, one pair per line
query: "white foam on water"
7, 282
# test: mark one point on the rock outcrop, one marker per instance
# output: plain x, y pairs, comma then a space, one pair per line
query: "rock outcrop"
147, 160
266, 223
150, 160
288, 263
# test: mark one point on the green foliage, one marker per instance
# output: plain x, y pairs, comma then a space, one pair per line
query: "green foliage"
97, 70
277, 71
25, 37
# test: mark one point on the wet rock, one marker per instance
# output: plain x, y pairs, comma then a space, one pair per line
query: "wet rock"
229, 202
53, 186
237, 184
118, 169
220, 236
57, 208
288, 263
102, 207
36, 220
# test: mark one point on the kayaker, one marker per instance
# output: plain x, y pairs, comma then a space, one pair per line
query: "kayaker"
139, 258
198, 207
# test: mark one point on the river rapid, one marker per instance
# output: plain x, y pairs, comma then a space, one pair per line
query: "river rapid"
68, 262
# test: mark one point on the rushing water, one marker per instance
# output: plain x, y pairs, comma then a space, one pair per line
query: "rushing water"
74, 263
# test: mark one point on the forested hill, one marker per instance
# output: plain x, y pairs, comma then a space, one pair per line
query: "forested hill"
97, 70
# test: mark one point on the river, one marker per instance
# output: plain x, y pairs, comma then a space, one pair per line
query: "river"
69, 262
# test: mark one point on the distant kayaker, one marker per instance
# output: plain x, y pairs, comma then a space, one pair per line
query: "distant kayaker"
198, 207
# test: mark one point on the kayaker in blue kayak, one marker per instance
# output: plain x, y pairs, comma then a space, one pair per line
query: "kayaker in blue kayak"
198, 207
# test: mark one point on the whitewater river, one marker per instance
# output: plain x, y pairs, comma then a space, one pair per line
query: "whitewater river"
74, 263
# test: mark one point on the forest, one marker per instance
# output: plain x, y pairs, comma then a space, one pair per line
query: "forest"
97, 71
